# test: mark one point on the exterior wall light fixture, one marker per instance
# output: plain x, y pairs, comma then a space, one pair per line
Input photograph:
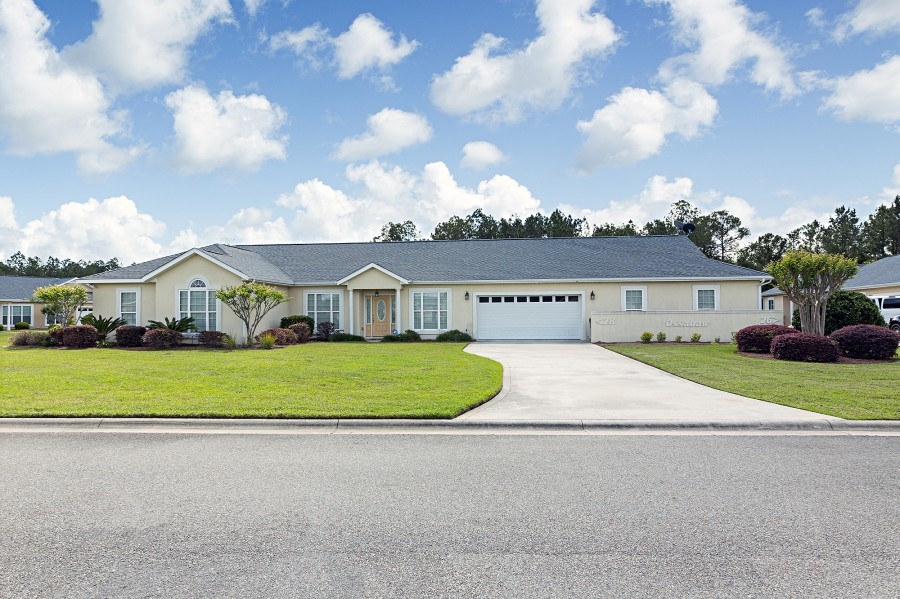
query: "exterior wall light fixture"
592, 296
467, 296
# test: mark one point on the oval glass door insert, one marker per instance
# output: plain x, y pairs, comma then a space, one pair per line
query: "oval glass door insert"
382, 309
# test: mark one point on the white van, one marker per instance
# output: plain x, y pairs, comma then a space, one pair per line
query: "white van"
889, 306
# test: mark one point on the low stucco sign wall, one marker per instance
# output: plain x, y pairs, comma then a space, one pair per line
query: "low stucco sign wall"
628, 326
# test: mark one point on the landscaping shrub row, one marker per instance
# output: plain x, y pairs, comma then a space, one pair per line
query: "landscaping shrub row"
861, 341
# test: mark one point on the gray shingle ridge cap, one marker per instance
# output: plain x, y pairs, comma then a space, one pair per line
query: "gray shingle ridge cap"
222, 250
415, 241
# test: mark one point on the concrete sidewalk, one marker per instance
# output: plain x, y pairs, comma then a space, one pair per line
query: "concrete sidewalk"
550, 381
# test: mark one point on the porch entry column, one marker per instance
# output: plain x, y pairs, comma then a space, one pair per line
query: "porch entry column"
352, 329
399, 311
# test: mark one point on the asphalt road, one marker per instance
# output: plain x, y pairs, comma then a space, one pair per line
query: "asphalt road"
140, 515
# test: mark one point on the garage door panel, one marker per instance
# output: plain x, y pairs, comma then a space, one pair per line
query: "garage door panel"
560, 319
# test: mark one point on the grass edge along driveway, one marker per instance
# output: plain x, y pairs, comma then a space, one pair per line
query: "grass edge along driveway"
851, 391
316, 380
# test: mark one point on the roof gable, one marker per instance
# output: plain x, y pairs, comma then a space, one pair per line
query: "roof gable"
881, 273
23, 288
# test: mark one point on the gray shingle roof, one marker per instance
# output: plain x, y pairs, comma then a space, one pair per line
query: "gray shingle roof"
587, 258
876, 274
22, 288
772, 292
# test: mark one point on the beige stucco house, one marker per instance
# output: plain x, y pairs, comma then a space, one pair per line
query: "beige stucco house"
17, 301
594, 288
880, 280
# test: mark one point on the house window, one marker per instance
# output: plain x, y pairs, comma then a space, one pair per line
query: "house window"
324, 307
771, 303
706, 297
15, 314
128, 305
634, 298
199, 303
430, 310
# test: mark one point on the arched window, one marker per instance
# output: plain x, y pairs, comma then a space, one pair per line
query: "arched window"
199, 302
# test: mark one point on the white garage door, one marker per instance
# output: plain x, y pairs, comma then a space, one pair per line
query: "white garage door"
529, 317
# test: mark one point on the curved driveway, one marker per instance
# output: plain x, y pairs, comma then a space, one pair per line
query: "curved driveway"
581, 381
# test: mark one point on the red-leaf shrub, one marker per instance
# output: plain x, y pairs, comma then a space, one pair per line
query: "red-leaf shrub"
324, 330
866, 341
282, 336
162, 338
805, 347
55, 333
130, 336
302, 330
211, 338
80, 336
757, 338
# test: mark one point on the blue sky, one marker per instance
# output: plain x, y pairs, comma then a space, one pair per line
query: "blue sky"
136, 128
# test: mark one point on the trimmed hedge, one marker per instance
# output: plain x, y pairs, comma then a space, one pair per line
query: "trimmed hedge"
211, 338
31, 339
162, 338
324, 330
408, 336
758, 338
282, 336
22, 326
454, 335
302, 330
805, 347
287, 321
346, 337
80, 336
130, 336
867, 342
55, 333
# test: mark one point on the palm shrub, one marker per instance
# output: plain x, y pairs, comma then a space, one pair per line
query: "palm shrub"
162, 338
80, 336
104, 326
182, 325
130, 336
867, 342
302, 330
805, 347
757, 338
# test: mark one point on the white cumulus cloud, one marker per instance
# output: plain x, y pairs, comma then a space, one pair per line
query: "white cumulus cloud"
139, 44
480, 155
388, 131
225, 131
494, 85
48, 106
877, 17
635, 123
870, 95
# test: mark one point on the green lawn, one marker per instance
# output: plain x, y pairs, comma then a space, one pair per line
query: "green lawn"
316, 380
854, 391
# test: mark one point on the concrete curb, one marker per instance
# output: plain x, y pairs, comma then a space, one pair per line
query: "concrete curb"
425, 426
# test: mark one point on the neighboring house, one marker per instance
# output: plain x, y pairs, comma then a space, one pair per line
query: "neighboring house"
774, 300
880, 280
597, 288
17, 301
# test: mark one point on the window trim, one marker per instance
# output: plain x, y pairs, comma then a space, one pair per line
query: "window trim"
206, 287
412, 309
340, 310
137, 302
716, 293
642, 289
770, 303
10, 325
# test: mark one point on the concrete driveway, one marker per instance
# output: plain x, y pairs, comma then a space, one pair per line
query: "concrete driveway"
580, 381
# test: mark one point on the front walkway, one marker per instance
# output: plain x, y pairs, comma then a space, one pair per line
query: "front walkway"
580, 381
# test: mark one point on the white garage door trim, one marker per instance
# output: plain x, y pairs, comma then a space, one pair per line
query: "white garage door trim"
520, 316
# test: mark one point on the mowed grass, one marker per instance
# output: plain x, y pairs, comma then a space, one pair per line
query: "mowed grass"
316, 380
853, 391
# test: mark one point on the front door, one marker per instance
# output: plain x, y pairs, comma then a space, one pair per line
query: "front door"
379, 310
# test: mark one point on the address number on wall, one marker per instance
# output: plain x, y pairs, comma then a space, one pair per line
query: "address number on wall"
605, 321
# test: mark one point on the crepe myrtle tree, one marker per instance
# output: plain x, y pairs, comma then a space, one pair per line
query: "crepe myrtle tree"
63, 301
809, 279
251, 301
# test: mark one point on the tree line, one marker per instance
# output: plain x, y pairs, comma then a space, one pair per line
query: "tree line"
718, 234
20, 265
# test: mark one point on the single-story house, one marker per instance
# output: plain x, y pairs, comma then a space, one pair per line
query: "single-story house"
774, 300
596, 288
17, 301
880, 280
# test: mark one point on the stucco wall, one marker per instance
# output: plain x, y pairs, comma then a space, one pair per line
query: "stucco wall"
628, 326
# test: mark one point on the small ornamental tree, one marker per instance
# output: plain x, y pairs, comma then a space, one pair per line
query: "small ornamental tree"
251, 301
809, 280
62, 300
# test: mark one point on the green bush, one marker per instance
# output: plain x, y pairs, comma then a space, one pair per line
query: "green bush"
661, 336
266, 341
409, 336
695, 338
390, 339
345, 337
162, 338
677, 338
22, 326
80, 336
287, 321
454, 335
846, 308
646, 337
